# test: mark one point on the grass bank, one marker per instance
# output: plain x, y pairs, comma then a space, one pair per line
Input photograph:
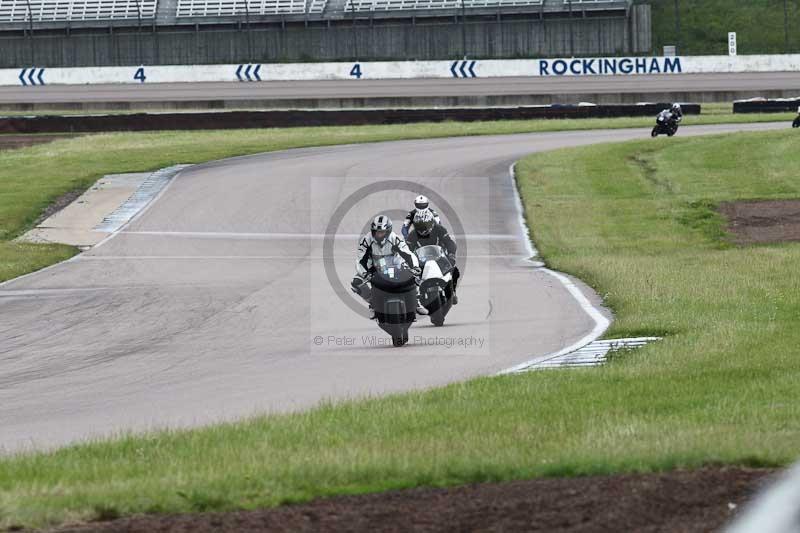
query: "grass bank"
636, 220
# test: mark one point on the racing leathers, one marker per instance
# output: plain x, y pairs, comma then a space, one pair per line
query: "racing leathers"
409, 221
370, 251
671, 116
440, 237
670, 120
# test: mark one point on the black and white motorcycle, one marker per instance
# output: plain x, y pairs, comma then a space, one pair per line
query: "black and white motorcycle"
666, 123
436, 288
393, 297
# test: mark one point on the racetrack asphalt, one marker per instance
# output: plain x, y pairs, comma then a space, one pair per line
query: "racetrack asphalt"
207, 306
400, 88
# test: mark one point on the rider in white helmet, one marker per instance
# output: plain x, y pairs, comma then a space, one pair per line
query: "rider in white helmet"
381, 241
421, 203
677, 112
427, 231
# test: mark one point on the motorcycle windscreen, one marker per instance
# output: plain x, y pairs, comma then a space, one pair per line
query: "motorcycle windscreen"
393, 280
434, 254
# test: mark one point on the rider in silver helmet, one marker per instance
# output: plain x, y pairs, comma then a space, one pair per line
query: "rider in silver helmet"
381, 241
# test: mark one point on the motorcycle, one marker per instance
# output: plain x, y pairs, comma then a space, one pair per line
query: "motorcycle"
436, 289
664, 124
393, 297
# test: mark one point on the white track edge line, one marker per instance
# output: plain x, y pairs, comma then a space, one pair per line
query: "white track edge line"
532, 251
601, 322
148, 205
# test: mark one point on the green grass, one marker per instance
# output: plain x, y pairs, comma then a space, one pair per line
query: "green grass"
636, 221
705, 25
32, 178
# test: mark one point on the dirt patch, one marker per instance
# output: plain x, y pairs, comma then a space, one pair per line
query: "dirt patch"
683, 501
763, 221
10, 142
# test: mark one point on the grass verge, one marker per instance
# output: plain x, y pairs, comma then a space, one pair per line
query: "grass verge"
636, 221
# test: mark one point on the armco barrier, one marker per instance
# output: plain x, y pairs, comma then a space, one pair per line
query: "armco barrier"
33, 76
285, 119
766, 106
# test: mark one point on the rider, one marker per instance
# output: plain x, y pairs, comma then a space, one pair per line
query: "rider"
677, 112
672, 116
428, 231
381, 241
420, 204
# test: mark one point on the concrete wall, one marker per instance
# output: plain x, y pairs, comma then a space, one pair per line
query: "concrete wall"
295, 118
489, 68
381, 40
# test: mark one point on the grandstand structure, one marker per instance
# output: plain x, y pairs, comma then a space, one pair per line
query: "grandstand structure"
22, 11
46, 14
116, 32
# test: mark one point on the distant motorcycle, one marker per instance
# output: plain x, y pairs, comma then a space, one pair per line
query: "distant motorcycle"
393, 297
436, 289
665, 124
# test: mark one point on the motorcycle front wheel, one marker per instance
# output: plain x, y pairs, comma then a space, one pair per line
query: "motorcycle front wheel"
654, 133
400, 341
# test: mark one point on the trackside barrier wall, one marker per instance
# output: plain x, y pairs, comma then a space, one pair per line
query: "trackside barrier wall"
766, 106
281, 119
35, 75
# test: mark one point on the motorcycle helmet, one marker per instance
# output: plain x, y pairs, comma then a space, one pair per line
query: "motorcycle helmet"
381, 228
421, 202
676, 108
424, 222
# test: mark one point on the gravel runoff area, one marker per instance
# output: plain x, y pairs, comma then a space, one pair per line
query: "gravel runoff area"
680, 501
763, 221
